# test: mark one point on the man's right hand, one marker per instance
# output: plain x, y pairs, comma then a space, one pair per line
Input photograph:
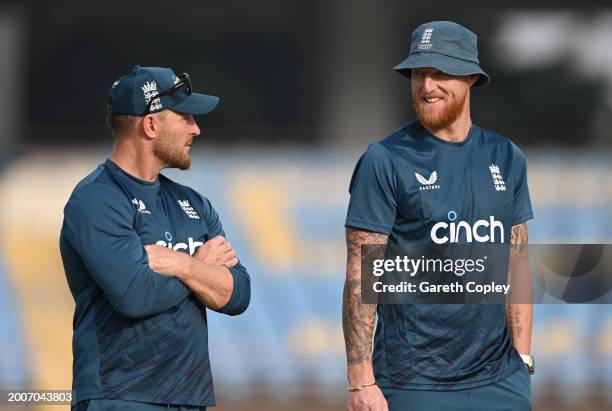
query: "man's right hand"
217, 251
367, 399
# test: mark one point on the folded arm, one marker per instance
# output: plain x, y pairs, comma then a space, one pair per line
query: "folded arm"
213, 274
98, 231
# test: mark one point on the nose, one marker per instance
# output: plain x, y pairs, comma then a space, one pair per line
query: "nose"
429, 84
196, 129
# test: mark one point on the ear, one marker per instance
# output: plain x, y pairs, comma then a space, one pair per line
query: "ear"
473, 79
150, 125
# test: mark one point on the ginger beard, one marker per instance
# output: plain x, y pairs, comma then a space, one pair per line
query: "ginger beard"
172, 151
441, 114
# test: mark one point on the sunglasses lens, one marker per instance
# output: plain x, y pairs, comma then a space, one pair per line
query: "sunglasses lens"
182, 83
185, 78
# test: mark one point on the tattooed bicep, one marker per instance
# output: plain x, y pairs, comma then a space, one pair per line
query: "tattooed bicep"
519, 238
355, 237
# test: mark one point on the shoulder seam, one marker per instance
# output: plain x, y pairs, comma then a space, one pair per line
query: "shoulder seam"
393, 165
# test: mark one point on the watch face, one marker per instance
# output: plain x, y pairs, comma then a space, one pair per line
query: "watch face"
531, 365
528, 360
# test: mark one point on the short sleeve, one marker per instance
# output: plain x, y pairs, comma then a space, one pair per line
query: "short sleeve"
521, 202
373, 190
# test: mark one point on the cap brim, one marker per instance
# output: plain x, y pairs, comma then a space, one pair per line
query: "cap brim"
447, 64
196, 103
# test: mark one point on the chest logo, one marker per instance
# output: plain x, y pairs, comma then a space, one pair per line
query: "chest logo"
188, 209
498, 181
482, 231
428, 183
142, 209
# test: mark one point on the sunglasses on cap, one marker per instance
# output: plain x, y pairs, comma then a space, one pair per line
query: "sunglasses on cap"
183, 82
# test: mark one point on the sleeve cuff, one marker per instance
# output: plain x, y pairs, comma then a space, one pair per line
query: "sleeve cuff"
522, 218
241, 293
373, 227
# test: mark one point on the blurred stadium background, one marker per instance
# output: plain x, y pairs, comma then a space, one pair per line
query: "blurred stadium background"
304, 87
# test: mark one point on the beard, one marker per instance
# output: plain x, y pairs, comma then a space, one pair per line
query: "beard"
439, 118
170, 154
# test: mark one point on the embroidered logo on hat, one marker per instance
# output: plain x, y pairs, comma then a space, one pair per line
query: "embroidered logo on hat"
426, 39
149, 89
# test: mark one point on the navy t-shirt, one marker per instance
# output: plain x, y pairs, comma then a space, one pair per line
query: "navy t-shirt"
138, 335
410, 186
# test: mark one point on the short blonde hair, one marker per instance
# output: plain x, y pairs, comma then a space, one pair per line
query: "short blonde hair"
120, 124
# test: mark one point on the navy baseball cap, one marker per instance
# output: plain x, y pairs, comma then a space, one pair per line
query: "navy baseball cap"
147, 90
447, 46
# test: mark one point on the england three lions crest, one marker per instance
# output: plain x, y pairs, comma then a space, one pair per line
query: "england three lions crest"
498, 181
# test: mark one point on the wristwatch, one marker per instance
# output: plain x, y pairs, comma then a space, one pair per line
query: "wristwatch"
529, 362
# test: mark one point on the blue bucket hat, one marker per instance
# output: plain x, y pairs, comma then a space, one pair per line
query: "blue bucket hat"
447, 46
147, 90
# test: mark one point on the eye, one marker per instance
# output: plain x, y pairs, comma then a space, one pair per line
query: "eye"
417, 73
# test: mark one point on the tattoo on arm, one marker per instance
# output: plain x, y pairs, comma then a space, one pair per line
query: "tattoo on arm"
519, 238
518, 307
515, 320
357, 318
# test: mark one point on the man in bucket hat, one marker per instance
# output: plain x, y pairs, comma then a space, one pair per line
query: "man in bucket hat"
408, 189
145, 256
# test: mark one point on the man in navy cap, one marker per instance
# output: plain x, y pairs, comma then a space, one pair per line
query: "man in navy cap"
145, 256
410, 188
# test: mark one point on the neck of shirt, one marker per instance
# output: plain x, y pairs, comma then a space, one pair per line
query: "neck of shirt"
452, 145
118, 170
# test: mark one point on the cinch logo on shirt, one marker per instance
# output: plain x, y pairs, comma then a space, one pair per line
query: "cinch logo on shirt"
442, 232
191, 245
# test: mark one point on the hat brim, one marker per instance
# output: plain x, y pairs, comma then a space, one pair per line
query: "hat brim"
447, 64
196, 103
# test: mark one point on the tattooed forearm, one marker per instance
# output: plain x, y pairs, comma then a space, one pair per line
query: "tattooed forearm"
357, 323
519, 311
519, 238
520, 317
357, 318
515, 320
